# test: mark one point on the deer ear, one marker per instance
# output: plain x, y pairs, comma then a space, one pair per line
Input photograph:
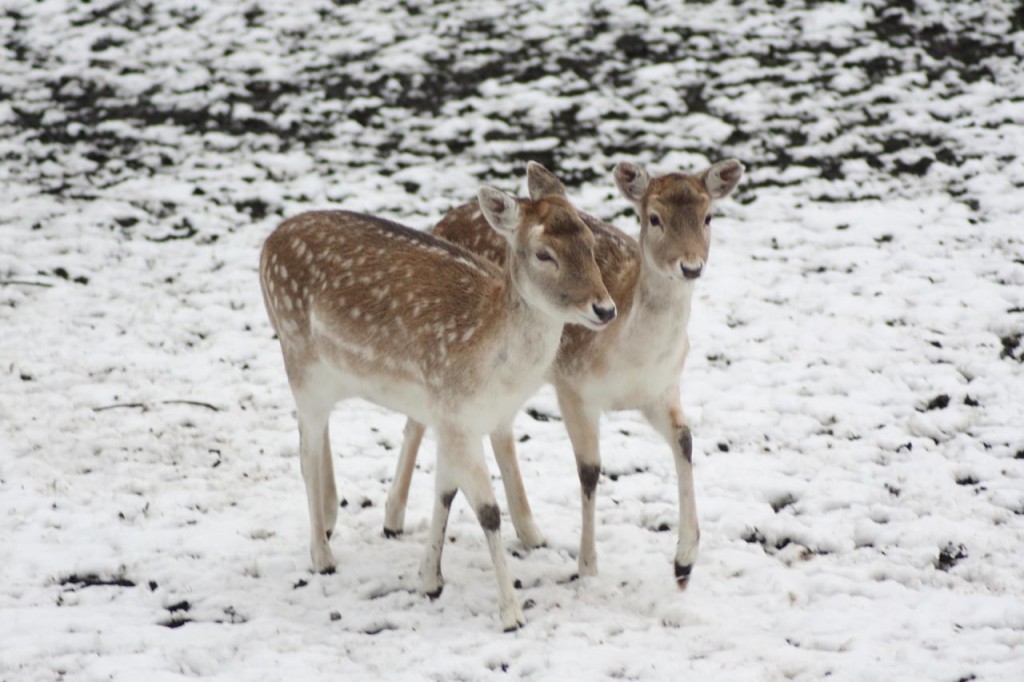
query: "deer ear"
540, 182
501, 211
721, 179
632, 181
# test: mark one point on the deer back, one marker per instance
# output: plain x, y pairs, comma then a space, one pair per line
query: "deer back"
374, 296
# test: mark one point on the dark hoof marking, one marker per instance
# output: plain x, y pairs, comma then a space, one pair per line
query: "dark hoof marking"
686, 443
490, 517
390, 534
683, 575
328, 571
589, 475
517, 626
436, 593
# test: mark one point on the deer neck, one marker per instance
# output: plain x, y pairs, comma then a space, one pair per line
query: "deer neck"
529, 332
661, 296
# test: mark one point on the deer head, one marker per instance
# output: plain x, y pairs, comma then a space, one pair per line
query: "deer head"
551, 257
675, 213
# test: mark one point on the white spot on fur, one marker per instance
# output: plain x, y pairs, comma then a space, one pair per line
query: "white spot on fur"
289, 327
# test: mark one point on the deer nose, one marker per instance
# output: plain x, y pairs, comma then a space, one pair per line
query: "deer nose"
604, 314
691, 273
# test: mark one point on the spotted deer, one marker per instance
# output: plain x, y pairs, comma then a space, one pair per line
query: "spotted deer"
367, 308
635, 364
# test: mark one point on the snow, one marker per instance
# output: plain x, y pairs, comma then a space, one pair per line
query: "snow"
855, 383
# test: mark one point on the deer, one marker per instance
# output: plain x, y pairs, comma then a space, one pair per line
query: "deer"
634, 364
367, 308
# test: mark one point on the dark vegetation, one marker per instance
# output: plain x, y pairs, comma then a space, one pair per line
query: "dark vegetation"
397, 109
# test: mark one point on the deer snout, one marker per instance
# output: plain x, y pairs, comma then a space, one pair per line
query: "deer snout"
598, 314
605, 313
691, 269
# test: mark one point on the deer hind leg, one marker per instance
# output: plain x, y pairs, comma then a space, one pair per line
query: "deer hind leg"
313, 442
504, 446
398, 494
461, 461
583, 426
328, 486
668, 419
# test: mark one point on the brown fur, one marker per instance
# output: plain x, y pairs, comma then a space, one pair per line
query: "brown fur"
328, 265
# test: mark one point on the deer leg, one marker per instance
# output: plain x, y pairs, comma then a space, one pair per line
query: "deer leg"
313, 441
583, 428
398, 494
463, 456
445, 491
668, 419
329, 495
504, 446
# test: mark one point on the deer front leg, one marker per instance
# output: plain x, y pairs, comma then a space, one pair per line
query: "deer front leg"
313, 440
504, 446
329, 489
445, 490
668, 419
583, 427
398, 494
461, 458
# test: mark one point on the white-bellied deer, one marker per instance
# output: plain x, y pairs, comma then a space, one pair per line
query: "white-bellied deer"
367, 308
635, 364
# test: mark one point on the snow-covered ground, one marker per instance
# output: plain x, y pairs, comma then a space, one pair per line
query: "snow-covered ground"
855, 384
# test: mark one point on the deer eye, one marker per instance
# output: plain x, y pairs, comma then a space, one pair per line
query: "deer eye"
545, 256
707, 219
654, 220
